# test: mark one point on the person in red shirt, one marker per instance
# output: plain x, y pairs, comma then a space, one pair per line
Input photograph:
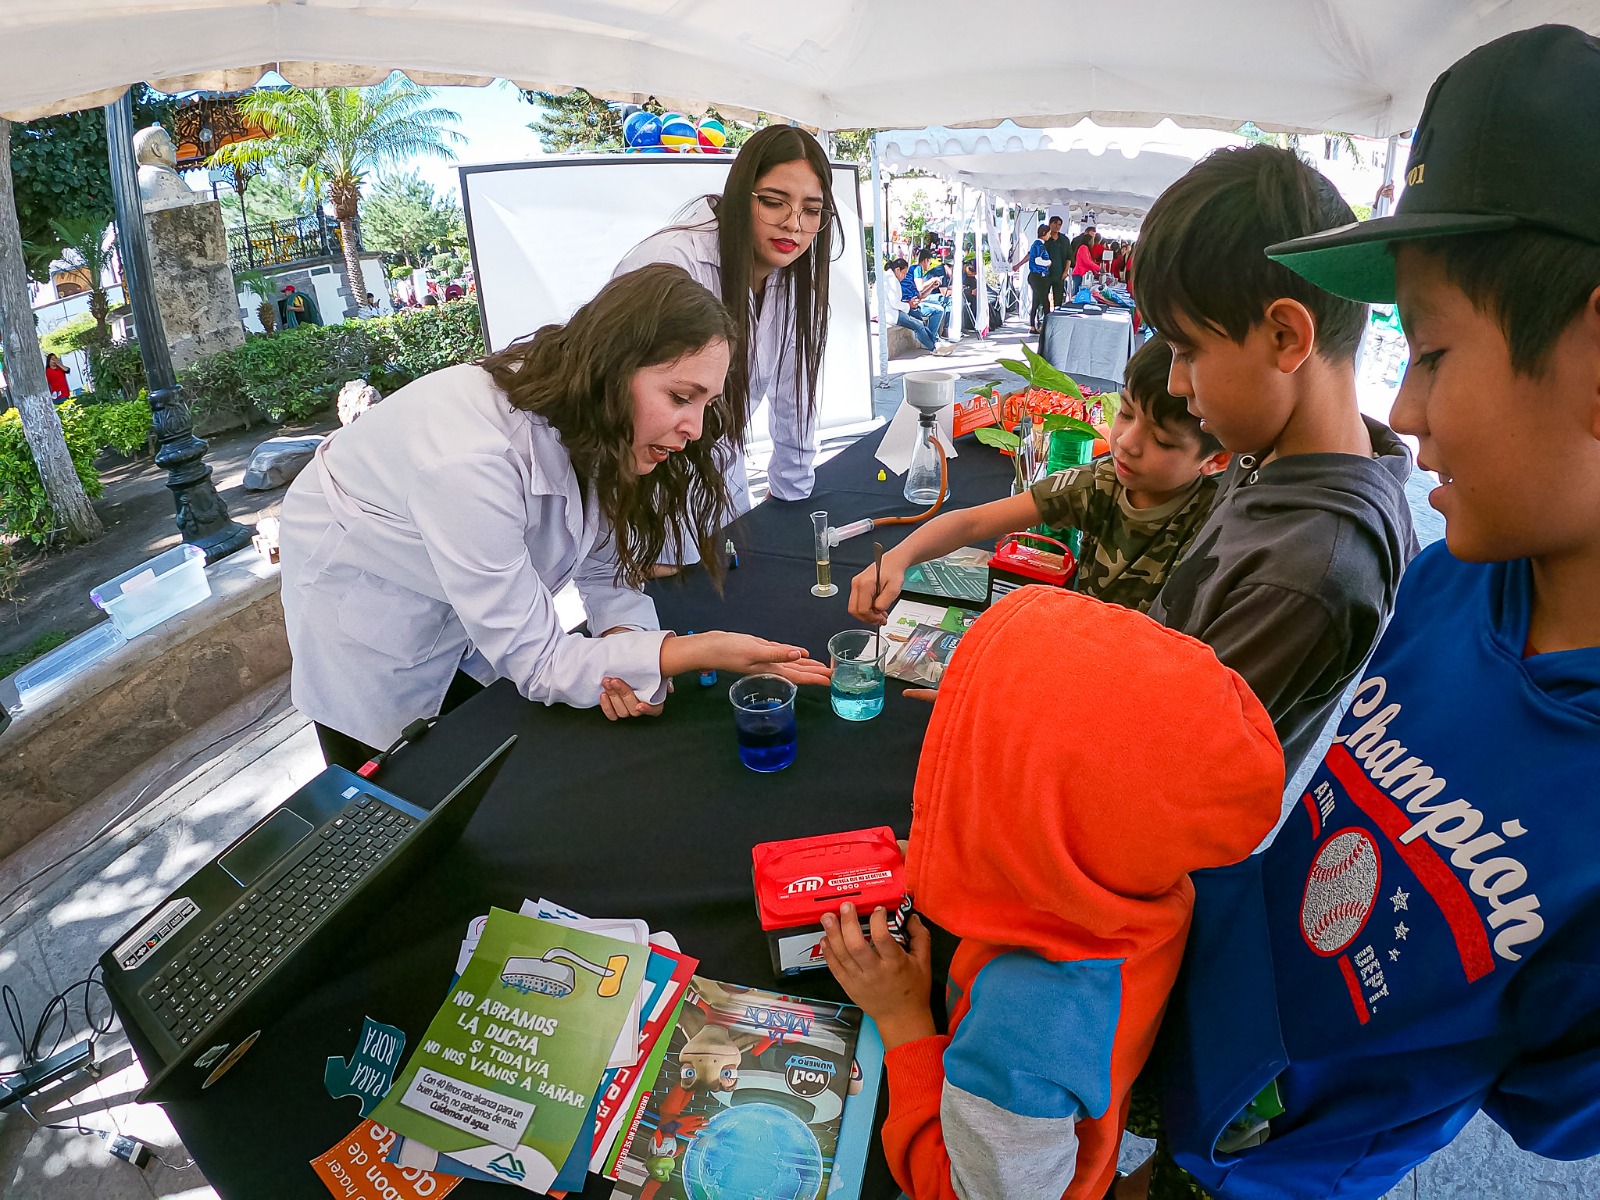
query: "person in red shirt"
56, 375
1119, 264
1088, 260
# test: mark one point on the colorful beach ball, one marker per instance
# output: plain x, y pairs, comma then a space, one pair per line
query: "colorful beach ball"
642, 129
677, 133
713, 137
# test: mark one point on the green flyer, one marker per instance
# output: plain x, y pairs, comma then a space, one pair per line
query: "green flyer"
505, 1073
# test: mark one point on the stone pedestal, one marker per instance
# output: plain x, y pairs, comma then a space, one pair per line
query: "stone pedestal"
192, 280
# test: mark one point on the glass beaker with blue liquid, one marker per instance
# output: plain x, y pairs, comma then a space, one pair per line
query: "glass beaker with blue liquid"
857, 657
763, 719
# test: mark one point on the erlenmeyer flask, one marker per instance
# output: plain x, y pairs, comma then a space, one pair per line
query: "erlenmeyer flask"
922, 477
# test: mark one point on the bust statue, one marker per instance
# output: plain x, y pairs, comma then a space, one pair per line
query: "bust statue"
160, 185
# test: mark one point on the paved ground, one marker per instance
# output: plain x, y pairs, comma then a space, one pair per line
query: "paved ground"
67, 895
138, 515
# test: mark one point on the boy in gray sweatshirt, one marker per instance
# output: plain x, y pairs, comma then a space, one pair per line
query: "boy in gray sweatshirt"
1293, 576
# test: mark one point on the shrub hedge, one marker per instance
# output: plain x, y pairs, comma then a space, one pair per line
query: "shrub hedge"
290, 374
24, 510
296, 372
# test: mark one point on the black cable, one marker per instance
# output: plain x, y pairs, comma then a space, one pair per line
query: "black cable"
62, 1000
97, 1030
413, 732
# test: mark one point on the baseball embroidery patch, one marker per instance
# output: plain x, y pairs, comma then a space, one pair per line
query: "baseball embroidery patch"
1340, 891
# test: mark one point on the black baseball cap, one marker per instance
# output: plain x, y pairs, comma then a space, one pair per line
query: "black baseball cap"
1509, 137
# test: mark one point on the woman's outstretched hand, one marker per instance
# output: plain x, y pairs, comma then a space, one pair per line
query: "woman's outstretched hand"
741, 654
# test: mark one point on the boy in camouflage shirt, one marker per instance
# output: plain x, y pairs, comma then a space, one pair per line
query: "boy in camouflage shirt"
1138, 507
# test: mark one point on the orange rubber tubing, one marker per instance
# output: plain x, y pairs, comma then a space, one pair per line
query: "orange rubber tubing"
944, 488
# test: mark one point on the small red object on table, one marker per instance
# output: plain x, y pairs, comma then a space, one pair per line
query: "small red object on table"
1017, 565
799, 880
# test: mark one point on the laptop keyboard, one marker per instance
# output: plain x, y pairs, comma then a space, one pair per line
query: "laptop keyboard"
209, 975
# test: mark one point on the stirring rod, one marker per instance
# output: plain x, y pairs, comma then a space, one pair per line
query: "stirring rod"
877, 587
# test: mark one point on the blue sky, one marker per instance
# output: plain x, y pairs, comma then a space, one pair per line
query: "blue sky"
494, 119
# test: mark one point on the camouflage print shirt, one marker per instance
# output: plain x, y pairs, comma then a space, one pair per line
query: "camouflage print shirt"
1127, 552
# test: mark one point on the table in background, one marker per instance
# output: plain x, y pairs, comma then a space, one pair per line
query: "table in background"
649, 818
1088, 343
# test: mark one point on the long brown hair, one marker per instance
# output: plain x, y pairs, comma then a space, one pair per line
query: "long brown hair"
579, 378
806, 277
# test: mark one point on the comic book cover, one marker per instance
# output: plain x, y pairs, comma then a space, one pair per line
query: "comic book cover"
922, 657
749, 1100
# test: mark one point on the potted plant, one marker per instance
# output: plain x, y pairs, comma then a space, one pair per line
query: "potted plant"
1051, 409
259, 286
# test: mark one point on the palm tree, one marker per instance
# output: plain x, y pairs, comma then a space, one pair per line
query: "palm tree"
259, 286
89, 249
333, 138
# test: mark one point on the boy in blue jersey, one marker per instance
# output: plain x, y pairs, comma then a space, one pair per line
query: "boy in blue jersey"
1422, 939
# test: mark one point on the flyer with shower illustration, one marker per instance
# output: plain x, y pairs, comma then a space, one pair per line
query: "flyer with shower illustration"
508, 1068
749, 1100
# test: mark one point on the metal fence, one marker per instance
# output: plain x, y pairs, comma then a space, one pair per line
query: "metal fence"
272, 243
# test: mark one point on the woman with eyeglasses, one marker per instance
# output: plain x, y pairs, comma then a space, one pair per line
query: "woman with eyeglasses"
775, 227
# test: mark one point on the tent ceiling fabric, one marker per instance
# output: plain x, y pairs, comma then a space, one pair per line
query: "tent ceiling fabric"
1361, 66
1087, 166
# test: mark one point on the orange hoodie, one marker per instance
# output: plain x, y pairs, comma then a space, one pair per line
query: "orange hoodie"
1081, 761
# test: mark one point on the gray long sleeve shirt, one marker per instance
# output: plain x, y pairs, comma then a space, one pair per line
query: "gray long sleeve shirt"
1293, 577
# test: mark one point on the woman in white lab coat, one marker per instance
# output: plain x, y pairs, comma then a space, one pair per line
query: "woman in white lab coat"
775, 222
429, 537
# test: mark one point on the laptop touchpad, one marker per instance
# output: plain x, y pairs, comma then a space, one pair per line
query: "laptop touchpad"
264, 845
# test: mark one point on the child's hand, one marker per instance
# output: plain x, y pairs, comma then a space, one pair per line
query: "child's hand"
888, 984
871, 601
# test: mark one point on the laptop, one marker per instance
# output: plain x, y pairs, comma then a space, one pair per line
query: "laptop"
197, 980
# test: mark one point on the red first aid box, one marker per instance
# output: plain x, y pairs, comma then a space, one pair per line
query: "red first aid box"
798, 881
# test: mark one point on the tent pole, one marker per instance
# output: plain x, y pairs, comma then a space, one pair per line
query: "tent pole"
1382, 206
953, 332
880, 253
980, 294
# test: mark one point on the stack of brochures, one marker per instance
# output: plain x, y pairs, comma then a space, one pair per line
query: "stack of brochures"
569, 1045
922, 637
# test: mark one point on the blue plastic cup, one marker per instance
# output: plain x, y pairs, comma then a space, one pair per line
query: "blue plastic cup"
763, 719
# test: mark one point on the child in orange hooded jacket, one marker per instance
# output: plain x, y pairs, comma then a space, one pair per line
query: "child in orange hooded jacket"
1062, 863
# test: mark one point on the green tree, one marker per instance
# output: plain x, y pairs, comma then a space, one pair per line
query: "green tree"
332, 139
30, 392
60, 170
402, 216
914, 219
853, 145
1297, 141
87, 247
269, 195
576, 120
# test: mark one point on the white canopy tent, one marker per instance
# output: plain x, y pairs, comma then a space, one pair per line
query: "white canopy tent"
1115, 172
1362, 66
1084, 167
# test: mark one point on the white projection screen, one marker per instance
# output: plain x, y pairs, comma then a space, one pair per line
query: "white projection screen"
546, 235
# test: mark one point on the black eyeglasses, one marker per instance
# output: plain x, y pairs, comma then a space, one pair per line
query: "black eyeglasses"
775, 210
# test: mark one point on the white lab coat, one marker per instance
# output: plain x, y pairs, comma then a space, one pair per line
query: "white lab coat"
432, 534
773, 364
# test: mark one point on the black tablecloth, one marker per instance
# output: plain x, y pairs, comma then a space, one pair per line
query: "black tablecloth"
651, 818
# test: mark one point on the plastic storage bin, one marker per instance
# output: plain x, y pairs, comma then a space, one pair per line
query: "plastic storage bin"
44, 677
144, 597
